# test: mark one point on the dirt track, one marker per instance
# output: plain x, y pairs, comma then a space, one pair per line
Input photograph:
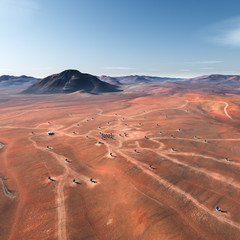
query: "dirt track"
176, 199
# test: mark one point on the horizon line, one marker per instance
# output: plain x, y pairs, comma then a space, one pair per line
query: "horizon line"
114, 75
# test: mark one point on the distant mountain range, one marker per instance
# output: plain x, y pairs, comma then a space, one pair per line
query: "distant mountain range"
216, 79
209, 79
70, 81
135, 79
7, 80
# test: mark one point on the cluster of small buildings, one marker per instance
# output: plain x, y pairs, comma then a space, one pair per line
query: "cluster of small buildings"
103, 136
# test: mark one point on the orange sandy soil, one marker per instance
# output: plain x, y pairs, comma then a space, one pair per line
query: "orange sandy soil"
174, 200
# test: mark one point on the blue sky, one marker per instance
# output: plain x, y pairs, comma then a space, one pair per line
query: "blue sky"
181, 38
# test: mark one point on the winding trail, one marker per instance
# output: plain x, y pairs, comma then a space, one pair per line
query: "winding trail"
62, 235
61, 181
225, 108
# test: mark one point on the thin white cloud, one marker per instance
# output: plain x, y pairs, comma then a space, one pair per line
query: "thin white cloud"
11, 8
226, 32
184, 70
209, 62
119, 68
207, 68
205, 62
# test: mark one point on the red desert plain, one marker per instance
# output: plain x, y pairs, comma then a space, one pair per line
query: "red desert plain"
120, 166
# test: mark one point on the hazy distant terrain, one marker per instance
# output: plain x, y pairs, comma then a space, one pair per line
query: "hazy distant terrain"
70, 81
135, 79
9, 81
206, 79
